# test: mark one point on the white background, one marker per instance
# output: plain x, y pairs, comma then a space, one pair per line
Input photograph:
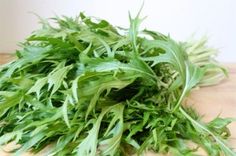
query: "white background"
179, 18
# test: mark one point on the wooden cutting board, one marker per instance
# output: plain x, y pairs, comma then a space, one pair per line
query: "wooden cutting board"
208, 101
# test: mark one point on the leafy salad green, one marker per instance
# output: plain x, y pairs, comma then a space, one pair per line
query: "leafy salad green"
89, 88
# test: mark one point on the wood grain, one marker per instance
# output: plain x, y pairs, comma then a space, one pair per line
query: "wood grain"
208, 101
4, 58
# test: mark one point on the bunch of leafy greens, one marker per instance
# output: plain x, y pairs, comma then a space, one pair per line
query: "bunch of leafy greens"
89, 88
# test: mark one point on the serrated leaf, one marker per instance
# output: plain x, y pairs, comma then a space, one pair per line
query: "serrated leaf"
56, 78
29, 144
38, 86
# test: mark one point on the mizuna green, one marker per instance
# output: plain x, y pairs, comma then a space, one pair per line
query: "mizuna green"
87, 88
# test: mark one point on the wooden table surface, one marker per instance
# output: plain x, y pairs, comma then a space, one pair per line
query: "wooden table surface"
208, 101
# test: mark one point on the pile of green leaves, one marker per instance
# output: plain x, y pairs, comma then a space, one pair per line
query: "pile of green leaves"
89, 88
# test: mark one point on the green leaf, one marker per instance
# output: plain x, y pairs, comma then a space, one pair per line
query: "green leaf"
7, 137
193, 76
107, 83
38, 86
111, 145
88, 146
220, 123
90, 88
134, 29
173, 54
35, 139
65, 111
202, 128
56, 78
10, 102
31, 54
